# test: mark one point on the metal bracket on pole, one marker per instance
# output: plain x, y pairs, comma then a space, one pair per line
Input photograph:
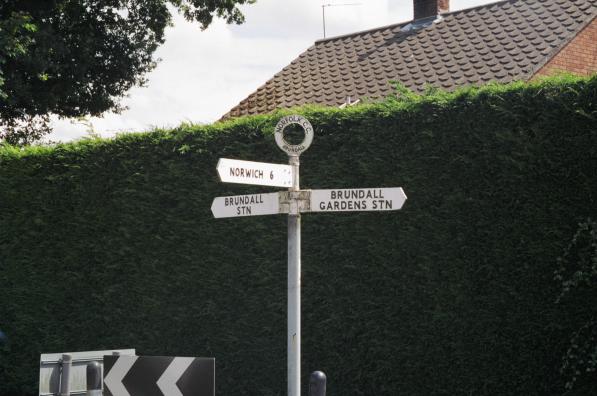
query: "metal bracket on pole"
291, 201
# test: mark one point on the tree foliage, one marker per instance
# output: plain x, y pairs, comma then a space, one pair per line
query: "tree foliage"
79, 57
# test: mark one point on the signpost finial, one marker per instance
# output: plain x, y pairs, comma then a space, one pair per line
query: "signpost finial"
293, 150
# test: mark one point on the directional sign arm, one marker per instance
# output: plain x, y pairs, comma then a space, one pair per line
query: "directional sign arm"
246, 205
357, 199
257, 173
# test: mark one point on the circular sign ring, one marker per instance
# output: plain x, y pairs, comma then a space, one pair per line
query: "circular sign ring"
293, 150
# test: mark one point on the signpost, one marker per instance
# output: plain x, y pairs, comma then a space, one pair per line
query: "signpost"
158, 376
294, 202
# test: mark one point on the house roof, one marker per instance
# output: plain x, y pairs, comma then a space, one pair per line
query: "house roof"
502, 41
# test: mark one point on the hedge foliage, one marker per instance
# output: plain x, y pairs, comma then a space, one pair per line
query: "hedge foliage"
111, 244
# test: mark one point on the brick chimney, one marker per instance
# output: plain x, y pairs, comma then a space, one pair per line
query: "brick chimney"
430, 8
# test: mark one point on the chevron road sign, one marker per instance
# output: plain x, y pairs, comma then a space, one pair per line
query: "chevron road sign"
158, 376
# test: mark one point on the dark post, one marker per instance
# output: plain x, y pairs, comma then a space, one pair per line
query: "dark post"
317, 384
67, 362
94, 379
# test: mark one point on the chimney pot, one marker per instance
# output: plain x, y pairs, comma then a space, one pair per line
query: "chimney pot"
430, 8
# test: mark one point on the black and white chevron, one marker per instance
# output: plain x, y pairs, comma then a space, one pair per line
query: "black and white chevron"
158, 376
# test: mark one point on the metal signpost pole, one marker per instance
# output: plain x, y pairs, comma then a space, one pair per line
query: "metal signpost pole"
294, 285
295, 205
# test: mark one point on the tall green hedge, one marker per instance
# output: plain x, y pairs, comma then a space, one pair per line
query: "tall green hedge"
111, 244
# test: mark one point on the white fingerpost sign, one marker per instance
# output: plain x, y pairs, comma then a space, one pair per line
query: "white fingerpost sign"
246, 205
294, 202
259, 173
357, 199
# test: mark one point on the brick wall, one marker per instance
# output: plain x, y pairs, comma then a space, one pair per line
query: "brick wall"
578, 57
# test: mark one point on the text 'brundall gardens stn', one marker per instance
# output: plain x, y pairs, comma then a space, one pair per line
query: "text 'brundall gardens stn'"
357, 199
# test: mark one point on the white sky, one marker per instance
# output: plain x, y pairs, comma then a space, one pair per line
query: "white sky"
202, 75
